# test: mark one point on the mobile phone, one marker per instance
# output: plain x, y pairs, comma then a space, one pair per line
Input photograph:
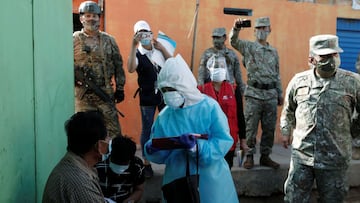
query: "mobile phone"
246, 23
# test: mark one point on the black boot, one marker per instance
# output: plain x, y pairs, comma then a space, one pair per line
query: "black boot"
249, 162
265, 160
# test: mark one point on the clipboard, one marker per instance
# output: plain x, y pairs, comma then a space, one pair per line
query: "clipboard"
165, 143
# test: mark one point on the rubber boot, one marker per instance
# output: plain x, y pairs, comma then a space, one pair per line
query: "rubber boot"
265, 160
249, 162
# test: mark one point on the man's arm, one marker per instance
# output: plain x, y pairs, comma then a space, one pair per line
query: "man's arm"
202, 69
137, 193
287, 118
278, 84
118, 64
162, 49
357, 64
237, 71
234, 37
132, 61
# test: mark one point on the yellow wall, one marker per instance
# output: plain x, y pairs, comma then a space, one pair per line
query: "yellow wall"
292, 25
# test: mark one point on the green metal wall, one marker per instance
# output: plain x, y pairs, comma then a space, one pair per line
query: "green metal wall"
36, 88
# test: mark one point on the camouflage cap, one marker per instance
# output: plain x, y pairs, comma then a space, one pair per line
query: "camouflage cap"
324, 44
262, 21
219, 32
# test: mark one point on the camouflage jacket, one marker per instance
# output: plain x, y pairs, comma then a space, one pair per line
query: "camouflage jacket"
262, 65
319, 111
232, 63
357, 64
101, 54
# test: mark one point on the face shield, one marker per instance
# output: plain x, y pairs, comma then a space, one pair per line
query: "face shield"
217, 68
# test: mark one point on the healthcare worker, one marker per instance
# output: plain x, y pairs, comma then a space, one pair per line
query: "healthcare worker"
190, 112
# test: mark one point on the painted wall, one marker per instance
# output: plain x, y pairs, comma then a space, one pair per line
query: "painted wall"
293, 23
36, 87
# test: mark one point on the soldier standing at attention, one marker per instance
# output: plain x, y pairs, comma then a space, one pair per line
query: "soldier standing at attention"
318, 110
264, 91
98, 52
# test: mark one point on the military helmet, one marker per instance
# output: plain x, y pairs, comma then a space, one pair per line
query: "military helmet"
89, 7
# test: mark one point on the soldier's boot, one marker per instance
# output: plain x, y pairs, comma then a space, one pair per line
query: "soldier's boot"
265, 160
249, 162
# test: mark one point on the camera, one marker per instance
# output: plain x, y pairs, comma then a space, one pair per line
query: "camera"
244, 23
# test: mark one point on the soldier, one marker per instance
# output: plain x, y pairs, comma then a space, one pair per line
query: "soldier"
357, 64
221, 56
263, 92
98, 52
319, 105
356, 142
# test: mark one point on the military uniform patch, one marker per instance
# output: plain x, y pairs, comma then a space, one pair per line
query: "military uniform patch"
303, 91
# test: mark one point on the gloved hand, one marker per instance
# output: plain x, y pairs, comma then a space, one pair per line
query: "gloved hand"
119, 96
188, 140
150, 149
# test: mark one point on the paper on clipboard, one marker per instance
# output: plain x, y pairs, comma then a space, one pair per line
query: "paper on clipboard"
169, 45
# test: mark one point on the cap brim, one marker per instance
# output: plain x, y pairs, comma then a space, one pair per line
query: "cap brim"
327, 51
261, 25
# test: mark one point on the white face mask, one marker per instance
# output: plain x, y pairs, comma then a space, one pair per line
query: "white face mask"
261, 34
174, 99
118, 169
218, 74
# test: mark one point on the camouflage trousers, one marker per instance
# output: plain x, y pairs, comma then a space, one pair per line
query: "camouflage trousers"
330, 184
264, 111
92, 102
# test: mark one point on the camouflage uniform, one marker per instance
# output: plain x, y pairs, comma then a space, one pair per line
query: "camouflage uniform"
262, 92
356, 142
357, 64
101, 54
320, 112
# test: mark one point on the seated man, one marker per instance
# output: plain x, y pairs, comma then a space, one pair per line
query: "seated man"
121, 175
74, 179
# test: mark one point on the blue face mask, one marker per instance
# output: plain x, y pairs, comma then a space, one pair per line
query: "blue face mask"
118, 169
145, 42
106, 156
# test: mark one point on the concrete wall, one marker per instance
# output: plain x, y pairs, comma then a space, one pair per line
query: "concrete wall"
36, 87
293, 23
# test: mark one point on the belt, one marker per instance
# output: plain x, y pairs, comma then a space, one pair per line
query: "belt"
262, 86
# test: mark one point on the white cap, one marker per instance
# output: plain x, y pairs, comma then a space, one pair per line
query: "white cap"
141, 25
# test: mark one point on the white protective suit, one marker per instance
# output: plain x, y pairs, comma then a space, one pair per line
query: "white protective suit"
200, 114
